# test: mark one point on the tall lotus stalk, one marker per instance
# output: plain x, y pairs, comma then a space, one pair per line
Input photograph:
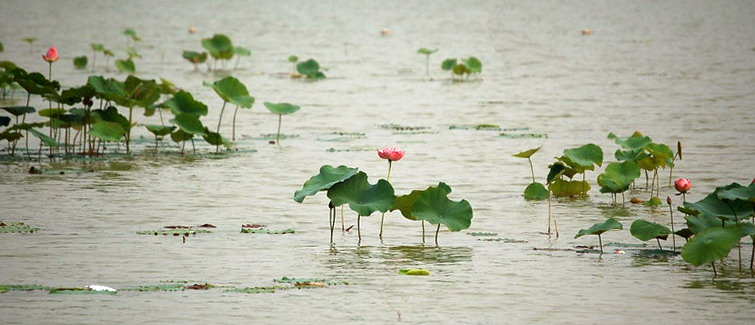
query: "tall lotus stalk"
671, 212
391, 154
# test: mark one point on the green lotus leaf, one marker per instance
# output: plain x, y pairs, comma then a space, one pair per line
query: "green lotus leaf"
527, 153
685, 233
600, 228
129, 32
434, 206
52, 112
585, 156
80, 62
645, 230
688, 211
634, 155
184, 103
242, 51
179, 136
195, 57
661, 154
72, 96
556, 169
536, 191
562, 188
461, 69
35, 83
219, 46
310, 68
327, 177
473, 64
108, 131
653, 202
141, 92
111, 114
97, 47
126, 65
167, 87
216, 139
405, 203
109, 89
426, 51
48, 141
26, 126
2, 48
362, 197
160, 130
421, 272
189, 123
712, 206
710, 245
233, 91
293, 59
735, 191
448, 64
618, 177
701, 222
10, 136
634, 142
4, 120
19, 110
281, 108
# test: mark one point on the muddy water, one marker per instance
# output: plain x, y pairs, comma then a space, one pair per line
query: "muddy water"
677, 71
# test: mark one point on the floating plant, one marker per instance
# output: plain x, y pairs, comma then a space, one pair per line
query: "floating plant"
646, 230
195, 58
421, 272
22, 287
230, 90
427, 53
599, 228
618, 177
16, 227
311, 69
362, 197
220, 48
281, 109
434, 206
463, 67
522, 135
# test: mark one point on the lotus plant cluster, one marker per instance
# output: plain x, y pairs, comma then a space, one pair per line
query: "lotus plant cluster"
221, 49
349, 186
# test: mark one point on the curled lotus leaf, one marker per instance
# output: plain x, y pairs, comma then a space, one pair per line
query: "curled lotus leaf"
527, 153
327, 177
233, 91
600, 228
19, 110
712, 206
434, 206
160, 130
633, 142
361, 196
735, 191
219, 46
536, 191
184, 103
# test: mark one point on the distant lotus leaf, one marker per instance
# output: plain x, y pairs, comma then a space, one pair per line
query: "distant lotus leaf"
653, 202
434, 206
281, 108
327, 177
293, 59
109, 53
129, 32
10, 136
448, 64
35, 83
195, 57
585, 156
461, 69
618, 177
527, 153
633, 142
160, 130
52, 112
562, 188
242, 51
600, 228
126, 65
180, 136
216, 139
167, 88
80, 62
184, 103
536, 191
710, 245
555, 170
426, 51
735, 191
4, 120
189, 123
712, 206
474, 64
233, 91
2, 48
97, 47
645, 230
133, 53
108, 131
219, 46
404, 203
48, 141
19, 110
310, 68
362, 197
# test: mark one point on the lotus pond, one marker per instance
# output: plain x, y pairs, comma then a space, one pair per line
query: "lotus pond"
207, 230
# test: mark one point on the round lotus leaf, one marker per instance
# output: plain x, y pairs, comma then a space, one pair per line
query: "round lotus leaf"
527, 153
110, 89
293, 59
184, 103
536, 191
600, 228
634, 142
362, 197
585, 156
160, 130
434, 206
35, 83
189, 123
80, 62
281, 108
404, 203
473, 64
52, 112
233, 91
195, 57
426, 51
108, 131
19, 110
618, 177
710, 245
712, 206
10, 136
219, 46
216, 139
126, 65
461, 69
327, 177
448, 64
645, 230
310, 68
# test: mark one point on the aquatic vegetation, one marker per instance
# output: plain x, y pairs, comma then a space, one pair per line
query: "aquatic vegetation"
281, 109
16, 227
220, 47
669, 201
131, 37
30, 41
574, 161
599, 228
230, 90
421, 272
159, 131
648, 155
195, 58
263, 230
80, 291
293, 59
462, 67
618, 177
240, 51
125, 65
427, 53
645, 230
311, 69
535, 190
362, 197
80, 62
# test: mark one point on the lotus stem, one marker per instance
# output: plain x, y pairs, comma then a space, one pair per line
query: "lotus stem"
382, 217
128, 132
739, 247
555, 224
659, 243
684, 197
278, 134
623, 199
343, 227
549, 213
233, 124
220, 119
437, 230
156, 147
359, 229
423, 232
531, 169
713, 264
49, 74
600, 241
331, 219
673, 235
388, 178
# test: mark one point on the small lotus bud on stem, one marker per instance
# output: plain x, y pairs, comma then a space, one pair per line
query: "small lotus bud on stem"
668, 200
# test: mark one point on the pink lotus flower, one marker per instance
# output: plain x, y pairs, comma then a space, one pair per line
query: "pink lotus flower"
52, 55
391, 153
683, 185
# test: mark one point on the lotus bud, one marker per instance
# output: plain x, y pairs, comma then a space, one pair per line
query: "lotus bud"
669, 200
52, 55
683, 185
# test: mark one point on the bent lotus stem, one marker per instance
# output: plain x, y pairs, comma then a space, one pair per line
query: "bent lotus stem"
600, 241
659, 243
220, 119
673, 236
437, 230
531, 169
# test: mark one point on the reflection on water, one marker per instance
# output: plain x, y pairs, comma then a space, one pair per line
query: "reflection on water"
366, 257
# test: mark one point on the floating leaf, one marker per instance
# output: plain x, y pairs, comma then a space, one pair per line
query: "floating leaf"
327, 177
17, 227
434, 207
266, 231
527, 153
80, 62
422, 272
536, 191
195, 57
361, 196
600, 228
645, 230
653, 202
710, 245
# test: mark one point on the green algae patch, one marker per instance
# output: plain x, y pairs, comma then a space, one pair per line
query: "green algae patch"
420, 272
16, 228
